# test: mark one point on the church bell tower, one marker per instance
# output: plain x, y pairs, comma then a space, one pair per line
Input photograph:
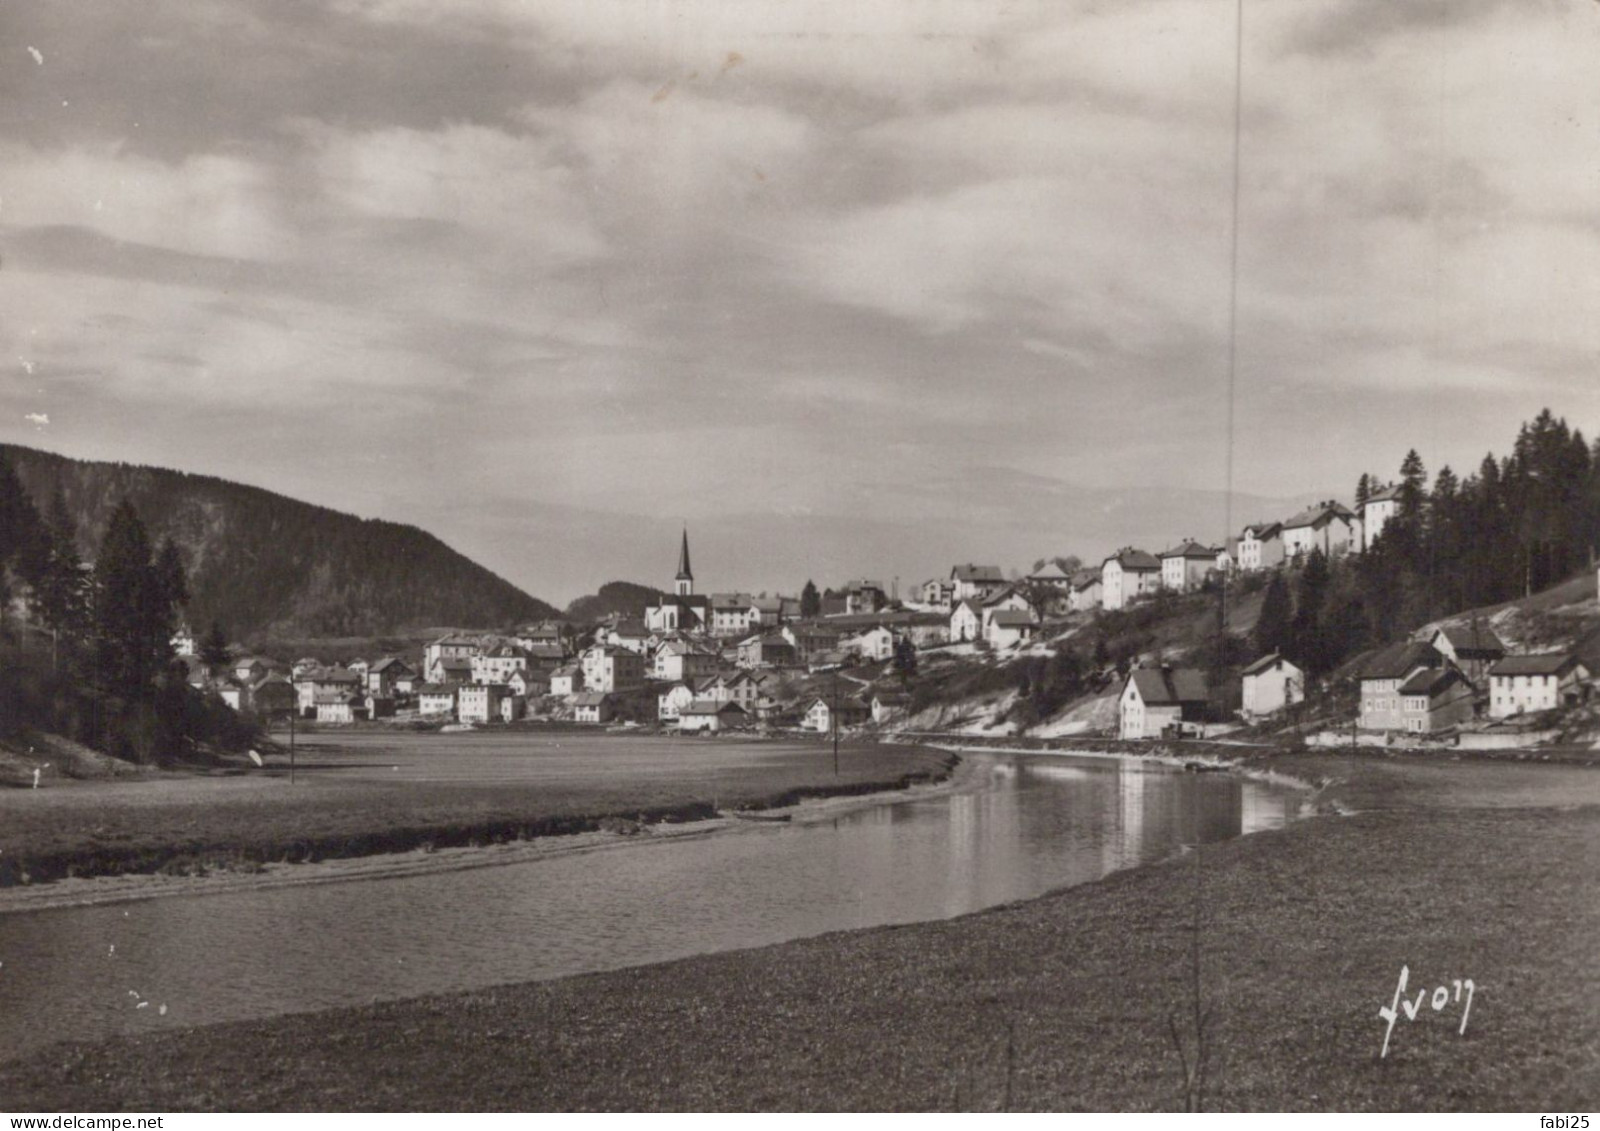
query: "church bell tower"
685, 580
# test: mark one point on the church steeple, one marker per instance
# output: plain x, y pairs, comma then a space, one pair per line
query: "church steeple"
685, 580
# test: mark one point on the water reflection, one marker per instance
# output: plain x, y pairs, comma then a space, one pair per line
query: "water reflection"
1031, 824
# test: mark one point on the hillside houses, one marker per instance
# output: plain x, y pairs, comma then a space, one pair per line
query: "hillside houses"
1328, 526
1128, 575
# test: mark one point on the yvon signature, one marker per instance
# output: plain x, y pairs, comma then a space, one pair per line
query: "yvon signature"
1440, 998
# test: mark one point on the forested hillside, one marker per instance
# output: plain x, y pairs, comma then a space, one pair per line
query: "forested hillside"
264, 564
622, 597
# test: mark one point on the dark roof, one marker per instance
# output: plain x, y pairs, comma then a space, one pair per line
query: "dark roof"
1051, 572
1399, 660
1168, 686
1392, 491
387, 663
1473, 638
437, 689
1086, 578
1134, 559
711, 707
1545, 663
976, 573
1319, 515
1012, 618
1191, 549
1431, 681
1264, 663
589, 698
1266, 530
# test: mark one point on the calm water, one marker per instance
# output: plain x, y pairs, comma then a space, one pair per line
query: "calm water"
1031, 824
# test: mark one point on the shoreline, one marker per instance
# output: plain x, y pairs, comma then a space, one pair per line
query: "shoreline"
352, 820
98, 890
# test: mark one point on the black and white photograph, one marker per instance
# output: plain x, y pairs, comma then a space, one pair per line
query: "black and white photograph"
799, 556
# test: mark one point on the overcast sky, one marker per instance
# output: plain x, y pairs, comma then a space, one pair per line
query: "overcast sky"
850, 287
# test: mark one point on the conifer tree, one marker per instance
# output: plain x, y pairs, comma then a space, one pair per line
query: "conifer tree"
1273, 624
810, 600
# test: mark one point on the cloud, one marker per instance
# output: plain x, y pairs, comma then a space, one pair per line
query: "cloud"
1366, 25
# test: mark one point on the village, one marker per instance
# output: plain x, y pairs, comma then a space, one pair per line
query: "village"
845, 660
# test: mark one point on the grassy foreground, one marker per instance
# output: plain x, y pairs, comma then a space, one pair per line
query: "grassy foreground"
363, 793
1456, 871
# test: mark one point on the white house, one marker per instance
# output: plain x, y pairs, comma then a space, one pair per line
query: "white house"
338, 708
1086, 591
592, 707
711, 715
1376, 513
1271, 684
937, 591
1154, 699
683, 610
975, 581
1006, 628
1520, 684
682, 659
495, 665
436, 700
1185, 566
966, 621
480, 702
819, 714
671, 702
1328, 526
184, 643
1473, 647
608, 669
1126, 576
888, 705
448, 647
1261, 546
566, 681
876, 643
528, 684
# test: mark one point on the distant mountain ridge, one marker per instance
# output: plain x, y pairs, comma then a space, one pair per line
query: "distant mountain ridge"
268, 565
625, 598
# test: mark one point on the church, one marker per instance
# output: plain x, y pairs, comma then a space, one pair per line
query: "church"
683, 610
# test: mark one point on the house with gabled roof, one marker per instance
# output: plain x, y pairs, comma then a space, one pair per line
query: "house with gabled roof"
1184, 568
436, 700
970, 581
566, 680
1383, 673
1086, 590
711, 716
671, 702
1327, 526
823, 712
1007, 628
937, 591
1128, 575
1473, 647
1523, 684
766, 650
966, 621
593, 707
1435, 699
1261, 546
1271, 684
451, 646
1154, 700
386, 676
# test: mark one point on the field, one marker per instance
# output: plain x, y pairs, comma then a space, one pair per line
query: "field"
1456, 871
362, 792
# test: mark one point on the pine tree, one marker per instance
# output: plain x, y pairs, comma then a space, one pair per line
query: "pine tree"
133, 614
1309, 648
1363, 491
810, 601
214, 646
1273, 624
61, 593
